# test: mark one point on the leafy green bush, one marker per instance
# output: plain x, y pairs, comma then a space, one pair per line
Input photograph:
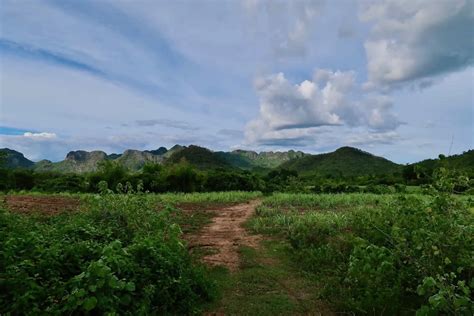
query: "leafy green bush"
121, 257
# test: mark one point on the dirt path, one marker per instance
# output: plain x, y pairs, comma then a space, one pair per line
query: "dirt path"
226, 234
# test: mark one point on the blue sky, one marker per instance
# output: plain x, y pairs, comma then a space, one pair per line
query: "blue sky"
391, 77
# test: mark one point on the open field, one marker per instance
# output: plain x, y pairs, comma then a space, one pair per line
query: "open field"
236, 253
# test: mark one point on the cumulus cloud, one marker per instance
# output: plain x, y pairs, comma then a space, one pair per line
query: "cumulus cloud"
331, 98
412, 41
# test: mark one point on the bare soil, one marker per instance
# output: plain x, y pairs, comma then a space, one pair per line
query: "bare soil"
44, 205
226, 234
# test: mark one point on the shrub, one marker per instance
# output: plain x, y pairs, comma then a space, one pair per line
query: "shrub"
120, 257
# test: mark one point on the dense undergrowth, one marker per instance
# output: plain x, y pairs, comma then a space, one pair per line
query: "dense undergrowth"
382, 254
120, 256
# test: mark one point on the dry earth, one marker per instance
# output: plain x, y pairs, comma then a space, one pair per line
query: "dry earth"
46, 205
226, 234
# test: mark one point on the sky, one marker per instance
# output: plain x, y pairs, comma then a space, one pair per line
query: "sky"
392, 77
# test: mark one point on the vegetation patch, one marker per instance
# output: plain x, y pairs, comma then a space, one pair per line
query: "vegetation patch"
407, 254
119, 257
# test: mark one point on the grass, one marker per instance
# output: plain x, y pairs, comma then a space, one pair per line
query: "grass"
268, 283
207, 197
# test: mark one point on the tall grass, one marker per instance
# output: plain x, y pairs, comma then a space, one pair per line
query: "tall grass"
208, 197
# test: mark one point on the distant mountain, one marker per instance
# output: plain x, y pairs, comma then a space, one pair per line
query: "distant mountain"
134, 159
79, 161
200, 157
245, 159
14, 159
173, 150
344, 162
113, 156
159, 152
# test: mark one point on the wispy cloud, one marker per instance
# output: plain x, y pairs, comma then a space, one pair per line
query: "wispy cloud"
30, 52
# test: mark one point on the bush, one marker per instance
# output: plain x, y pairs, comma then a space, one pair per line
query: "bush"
120, 257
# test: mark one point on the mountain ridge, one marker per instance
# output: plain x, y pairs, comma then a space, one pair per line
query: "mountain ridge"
347, 161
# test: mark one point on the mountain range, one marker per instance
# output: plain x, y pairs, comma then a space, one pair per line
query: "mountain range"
345, 161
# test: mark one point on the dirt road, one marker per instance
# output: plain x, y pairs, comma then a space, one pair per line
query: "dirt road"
226, 234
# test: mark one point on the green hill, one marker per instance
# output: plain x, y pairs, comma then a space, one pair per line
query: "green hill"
344, 162
463, 162
200, 157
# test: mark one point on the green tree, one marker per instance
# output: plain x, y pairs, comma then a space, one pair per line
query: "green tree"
182, 177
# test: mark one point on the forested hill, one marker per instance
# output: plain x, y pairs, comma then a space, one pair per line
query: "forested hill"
463, 162
344, 162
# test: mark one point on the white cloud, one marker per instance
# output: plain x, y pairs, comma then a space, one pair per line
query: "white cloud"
42, 135
290, 111
414, 40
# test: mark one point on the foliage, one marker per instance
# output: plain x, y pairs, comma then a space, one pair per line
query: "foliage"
120, 257
200, 157
462, 163
225, 180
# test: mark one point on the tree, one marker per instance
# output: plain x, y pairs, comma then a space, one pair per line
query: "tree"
182, 177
